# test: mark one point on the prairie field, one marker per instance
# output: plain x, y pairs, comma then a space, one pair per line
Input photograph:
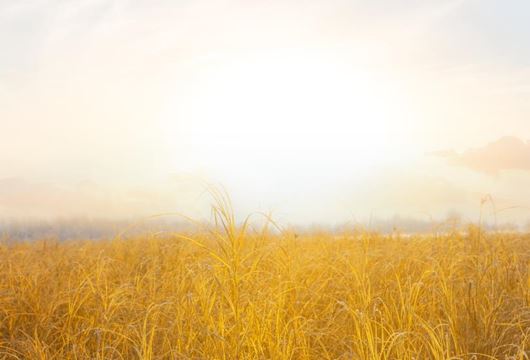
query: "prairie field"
382, 149
231, 292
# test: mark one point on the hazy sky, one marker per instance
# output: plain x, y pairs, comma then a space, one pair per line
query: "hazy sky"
319, 111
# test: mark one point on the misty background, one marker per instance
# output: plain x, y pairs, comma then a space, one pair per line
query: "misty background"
329, 112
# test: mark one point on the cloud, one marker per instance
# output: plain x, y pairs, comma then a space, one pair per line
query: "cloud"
507, 153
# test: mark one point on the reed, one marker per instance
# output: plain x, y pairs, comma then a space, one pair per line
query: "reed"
231, 292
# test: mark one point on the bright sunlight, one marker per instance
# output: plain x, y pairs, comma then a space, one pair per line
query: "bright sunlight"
275, 111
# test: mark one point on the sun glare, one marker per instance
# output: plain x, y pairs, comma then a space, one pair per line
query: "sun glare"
271, 112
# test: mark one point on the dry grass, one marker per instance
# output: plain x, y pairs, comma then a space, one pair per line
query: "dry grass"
231, 293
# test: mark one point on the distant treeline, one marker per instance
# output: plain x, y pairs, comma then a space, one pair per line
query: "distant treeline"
86, 229
91, 229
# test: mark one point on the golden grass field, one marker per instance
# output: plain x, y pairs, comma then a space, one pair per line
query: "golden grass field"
234, 293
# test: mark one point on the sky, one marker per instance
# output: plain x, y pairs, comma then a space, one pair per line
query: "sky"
317, 111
